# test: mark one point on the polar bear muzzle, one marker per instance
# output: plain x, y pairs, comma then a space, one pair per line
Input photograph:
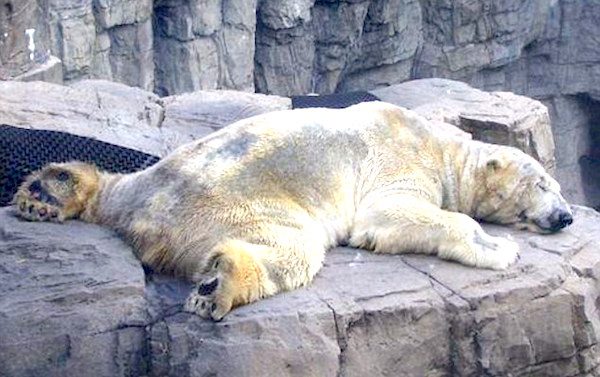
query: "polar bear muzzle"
560, 218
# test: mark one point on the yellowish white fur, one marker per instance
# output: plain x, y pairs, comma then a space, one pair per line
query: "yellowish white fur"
250, 211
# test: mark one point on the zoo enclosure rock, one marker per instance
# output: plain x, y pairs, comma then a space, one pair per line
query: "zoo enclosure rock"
127, 116
497, 117
80, 305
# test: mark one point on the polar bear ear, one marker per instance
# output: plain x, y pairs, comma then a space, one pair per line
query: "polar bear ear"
494, 164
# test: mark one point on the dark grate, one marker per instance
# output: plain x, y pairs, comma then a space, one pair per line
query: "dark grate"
23, 151
333, 101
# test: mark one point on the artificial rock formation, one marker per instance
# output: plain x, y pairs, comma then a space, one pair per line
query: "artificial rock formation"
138, 119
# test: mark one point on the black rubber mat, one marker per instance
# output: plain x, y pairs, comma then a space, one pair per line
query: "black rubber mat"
23, 151
333, 101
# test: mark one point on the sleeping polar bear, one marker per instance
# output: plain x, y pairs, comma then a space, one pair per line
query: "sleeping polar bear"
250, 210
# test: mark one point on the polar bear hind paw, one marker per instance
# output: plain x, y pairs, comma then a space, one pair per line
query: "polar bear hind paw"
234, 278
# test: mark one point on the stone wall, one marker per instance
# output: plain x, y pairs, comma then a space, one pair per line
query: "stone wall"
546, 49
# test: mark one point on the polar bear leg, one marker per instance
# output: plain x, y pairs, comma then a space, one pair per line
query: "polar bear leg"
404, 224
239, 272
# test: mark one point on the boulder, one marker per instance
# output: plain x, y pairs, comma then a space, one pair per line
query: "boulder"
127, 116
111, 112
497, 117
71, 301
75, 302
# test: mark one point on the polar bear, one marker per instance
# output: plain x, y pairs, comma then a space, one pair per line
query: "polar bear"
250, 210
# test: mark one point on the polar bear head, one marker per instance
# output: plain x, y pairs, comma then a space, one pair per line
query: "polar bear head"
513, 188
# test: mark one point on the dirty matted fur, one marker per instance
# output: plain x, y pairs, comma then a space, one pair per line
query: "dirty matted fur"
250, 210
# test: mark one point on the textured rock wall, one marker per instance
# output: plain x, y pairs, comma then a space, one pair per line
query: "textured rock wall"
291, 47
204, 44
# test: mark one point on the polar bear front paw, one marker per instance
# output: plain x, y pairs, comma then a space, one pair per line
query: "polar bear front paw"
496, 253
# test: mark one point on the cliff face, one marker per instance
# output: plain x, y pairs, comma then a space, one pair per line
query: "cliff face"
540, 48
289, 47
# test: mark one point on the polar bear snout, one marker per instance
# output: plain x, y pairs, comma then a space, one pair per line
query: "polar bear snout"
560, 219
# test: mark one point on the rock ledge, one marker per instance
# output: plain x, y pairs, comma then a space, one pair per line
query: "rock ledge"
74, 301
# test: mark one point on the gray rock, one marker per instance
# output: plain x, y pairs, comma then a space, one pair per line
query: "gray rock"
498, 117
572, 117
49, 71
128, 116
285, 14
77, 44
16, 58
71, 307
204, 44
110, 13
131, 54
79, 305
103, 110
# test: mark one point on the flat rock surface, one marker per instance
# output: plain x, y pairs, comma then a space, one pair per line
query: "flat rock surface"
74, 301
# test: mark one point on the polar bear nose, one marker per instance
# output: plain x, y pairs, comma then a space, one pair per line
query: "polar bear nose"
560, 219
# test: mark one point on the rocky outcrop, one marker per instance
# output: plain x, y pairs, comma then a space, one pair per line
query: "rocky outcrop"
74, 302
302, 46
128, 116
71, 301
204, 44
497, 117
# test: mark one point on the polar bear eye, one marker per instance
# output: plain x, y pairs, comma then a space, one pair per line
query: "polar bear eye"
542, 186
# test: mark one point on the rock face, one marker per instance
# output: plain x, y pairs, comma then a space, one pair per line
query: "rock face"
497, 117
64, 304
74, 302
204, 44
321, 46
